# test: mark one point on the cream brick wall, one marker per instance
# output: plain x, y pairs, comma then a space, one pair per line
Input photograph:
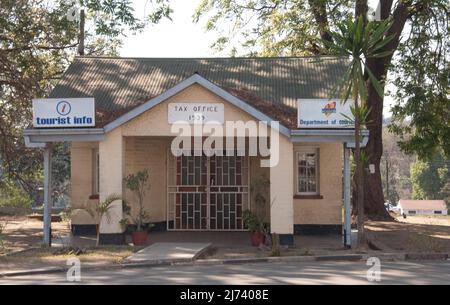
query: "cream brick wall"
81, 172
111, 152
81, 169
329, 209
143, 153
154, 122
281, 190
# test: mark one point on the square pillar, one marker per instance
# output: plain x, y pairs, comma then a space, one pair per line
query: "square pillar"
282, 192
111, 154
347, 205
48, 202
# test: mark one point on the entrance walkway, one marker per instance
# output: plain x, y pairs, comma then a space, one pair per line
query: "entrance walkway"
173, 252
218, 239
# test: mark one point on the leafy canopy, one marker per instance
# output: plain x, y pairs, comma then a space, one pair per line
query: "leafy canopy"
38, 40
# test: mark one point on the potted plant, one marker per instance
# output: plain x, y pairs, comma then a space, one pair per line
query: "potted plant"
257, 228
255, 221
138, 183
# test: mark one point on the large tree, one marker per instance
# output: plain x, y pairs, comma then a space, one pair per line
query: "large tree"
299, 27
430, 178
38, 39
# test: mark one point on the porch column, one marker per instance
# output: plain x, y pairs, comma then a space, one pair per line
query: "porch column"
48, 195
282, 192
111, 154
347, 206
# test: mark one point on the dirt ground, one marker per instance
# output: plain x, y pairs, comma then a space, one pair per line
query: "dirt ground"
413, 234
22, 239
54, 257
22, 233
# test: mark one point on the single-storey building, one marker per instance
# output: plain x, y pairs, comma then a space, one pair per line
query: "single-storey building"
136, 103
422, 207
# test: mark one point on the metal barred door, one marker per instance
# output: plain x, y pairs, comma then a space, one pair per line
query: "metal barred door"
207, 193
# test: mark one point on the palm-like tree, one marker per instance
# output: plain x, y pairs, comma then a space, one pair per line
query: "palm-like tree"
359, 40
102, 210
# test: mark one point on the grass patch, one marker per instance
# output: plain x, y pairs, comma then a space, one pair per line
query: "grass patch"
2, 230
59, 256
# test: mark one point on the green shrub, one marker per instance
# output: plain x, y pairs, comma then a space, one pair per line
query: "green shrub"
2, 229
11, 195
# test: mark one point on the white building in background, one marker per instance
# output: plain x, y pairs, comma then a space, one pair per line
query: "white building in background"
422, 207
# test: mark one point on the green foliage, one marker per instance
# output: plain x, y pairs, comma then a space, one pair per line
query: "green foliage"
430, 179
114, 17
256, 221
101, 210
12, 195
60, 172
139, 184
37, 43
271, 27
253, 223
421, 114
276, 251
2, 230
359, 40
395, 169
259, 189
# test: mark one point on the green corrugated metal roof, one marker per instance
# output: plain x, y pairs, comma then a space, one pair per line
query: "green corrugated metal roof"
120, 83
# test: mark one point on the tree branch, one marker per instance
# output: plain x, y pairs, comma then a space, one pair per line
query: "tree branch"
40, 47
319, 10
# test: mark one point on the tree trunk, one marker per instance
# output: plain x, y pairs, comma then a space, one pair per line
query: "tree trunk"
319, 10
81, 34
97, 242
373, 190
359, 175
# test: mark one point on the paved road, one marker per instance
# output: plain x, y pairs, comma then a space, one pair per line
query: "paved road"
261, 273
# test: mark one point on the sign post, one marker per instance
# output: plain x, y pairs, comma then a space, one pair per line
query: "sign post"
58, 113
324, 114
48, 203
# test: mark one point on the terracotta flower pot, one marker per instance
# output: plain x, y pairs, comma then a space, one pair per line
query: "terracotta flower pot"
139, 238
258, 238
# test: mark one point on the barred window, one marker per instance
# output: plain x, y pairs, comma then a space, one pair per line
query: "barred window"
308, 172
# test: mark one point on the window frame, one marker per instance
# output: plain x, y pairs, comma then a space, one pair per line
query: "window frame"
307, 150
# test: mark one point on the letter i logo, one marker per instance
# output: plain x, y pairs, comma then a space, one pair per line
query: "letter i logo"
63, 108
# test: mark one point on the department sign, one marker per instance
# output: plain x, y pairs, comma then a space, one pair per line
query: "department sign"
68, 112
196, 113
324, 113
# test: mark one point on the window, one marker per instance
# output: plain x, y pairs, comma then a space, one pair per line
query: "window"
438, 212
308, 171
412, 212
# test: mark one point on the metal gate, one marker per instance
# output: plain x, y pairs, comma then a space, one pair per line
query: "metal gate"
207, 193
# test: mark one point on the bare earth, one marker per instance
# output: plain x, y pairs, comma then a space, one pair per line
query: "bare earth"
22, 233
22, 240
413, 234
